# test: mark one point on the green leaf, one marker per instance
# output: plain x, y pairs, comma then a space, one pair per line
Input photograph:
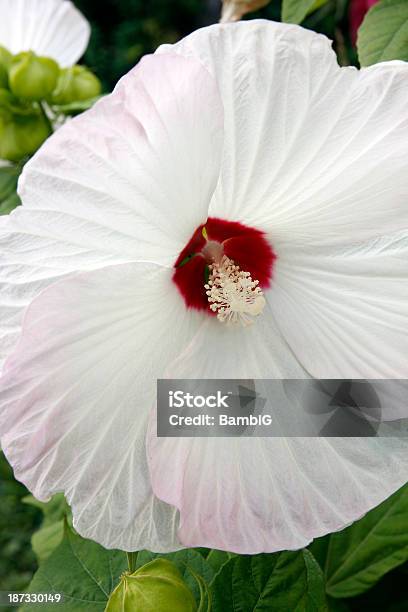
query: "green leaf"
51, 532
8, 180
270, 583
294, 11
217, 559
8, 188
316, 5
361, 554
388, 595
54, 510
145, 556
383, 35
318, 548
46, 539
222, 588
9, 203
191, 559
17, 521
84, 572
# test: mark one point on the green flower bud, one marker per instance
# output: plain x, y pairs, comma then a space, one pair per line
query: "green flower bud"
32, 77
5, 61
156, 587
75, 84
23, 128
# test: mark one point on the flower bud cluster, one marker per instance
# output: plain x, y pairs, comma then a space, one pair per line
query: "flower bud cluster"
35, 93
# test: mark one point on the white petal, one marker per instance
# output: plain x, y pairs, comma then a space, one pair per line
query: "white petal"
221, 351
313, 151
76, 393
51, 28
345, 313
129, 180
251, 495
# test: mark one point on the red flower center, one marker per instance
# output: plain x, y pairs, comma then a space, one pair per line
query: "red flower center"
246, 246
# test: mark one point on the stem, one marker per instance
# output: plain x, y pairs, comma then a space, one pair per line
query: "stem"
131, 559
341, 48
46, 117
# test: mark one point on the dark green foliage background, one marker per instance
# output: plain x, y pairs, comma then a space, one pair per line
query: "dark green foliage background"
17, 523
124, 30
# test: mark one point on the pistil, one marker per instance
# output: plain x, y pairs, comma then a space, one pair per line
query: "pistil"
232, 294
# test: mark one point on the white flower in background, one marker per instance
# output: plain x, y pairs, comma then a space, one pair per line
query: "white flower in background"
233, 10
243, 145
50, 28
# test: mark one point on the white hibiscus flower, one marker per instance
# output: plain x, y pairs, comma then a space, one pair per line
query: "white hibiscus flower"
246, 142
51, 28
